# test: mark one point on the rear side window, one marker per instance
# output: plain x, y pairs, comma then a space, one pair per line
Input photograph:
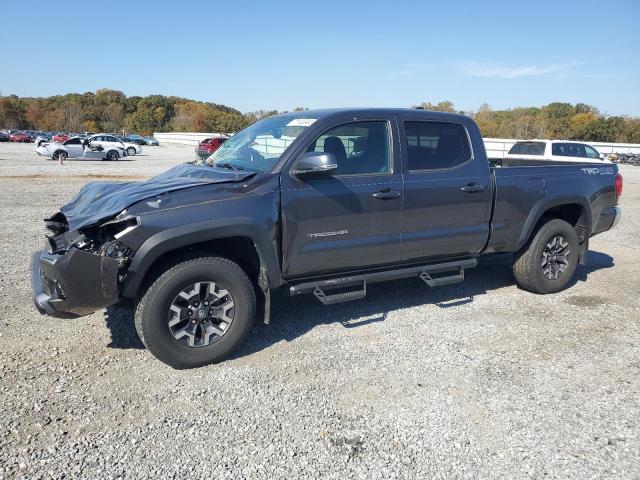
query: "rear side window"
435, 146
528, 148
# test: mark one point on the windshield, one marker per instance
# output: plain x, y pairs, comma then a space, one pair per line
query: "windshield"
259, 146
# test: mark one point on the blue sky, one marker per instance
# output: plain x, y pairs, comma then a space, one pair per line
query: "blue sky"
252, 55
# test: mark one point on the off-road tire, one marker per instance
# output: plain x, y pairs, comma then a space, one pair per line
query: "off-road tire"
151, 314
527, 263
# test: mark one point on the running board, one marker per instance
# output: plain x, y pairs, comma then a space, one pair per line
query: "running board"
446, 274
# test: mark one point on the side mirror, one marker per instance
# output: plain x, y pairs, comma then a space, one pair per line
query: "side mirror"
315, 162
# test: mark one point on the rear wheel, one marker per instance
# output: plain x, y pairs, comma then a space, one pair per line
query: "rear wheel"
131, 151
112, 155
60, 155
197, 312
548, 262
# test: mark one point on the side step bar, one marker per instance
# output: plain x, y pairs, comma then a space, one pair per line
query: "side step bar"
340, 297
434, 275
442, 280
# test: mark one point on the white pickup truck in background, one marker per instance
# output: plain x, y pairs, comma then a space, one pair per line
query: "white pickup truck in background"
552, 150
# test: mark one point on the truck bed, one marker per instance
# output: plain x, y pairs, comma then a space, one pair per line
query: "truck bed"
522, 193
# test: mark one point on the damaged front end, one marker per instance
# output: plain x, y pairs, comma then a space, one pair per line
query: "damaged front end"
82, 271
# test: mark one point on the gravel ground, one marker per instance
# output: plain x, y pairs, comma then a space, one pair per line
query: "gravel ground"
476, 380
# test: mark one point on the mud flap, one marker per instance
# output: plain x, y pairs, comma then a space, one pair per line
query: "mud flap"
263, 283
584, 250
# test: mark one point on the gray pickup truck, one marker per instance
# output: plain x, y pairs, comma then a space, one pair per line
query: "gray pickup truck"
322, 202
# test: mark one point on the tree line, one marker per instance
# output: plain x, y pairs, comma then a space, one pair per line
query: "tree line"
556, 120
109, 110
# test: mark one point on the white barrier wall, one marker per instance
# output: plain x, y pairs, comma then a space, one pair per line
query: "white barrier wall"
184, 138
496, 147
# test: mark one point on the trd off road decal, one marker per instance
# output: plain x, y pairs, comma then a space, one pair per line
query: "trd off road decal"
598, 170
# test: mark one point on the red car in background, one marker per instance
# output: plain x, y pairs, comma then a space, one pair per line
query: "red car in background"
209, 145
19, 137
60, 137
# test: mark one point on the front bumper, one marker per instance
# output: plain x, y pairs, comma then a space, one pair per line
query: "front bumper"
73, 284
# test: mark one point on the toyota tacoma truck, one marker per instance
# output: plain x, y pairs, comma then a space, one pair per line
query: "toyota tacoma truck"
318, 202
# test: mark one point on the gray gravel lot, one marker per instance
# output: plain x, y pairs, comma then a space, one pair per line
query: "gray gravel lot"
477, 380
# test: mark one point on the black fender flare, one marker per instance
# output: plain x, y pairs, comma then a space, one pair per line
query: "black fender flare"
183, 236
543, 205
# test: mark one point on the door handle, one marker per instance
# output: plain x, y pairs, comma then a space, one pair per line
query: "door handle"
472, 188
386, 194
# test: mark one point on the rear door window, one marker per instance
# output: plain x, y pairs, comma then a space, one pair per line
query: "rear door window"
576, 150
559, 149
568, 150
436, 145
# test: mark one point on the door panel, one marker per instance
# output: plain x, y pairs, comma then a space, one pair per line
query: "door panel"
343, 222
447, 194
74, 150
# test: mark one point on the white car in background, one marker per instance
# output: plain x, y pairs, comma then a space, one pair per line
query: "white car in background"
108, 141
77, 147
553, 150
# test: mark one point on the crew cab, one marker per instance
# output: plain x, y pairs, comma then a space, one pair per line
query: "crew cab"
323, 202
532, 151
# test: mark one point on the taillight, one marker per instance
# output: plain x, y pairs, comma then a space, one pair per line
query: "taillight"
618, 185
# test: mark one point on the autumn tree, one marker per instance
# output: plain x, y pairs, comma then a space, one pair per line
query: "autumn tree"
445, 106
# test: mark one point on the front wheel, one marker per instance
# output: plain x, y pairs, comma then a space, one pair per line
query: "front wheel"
548, 262
131, 151
196, 312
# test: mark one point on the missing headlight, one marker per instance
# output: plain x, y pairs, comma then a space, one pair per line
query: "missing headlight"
120, 225
120, 252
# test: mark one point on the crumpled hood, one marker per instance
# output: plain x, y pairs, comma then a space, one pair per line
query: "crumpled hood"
99, 200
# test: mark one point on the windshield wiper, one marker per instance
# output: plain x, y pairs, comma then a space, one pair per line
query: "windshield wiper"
228, 165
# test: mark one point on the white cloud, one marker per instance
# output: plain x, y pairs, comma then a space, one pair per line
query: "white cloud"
500, 70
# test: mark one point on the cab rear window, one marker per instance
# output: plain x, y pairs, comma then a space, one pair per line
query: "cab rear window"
528, 148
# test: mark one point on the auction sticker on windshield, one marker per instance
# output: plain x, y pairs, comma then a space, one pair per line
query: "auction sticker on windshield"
301, 122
